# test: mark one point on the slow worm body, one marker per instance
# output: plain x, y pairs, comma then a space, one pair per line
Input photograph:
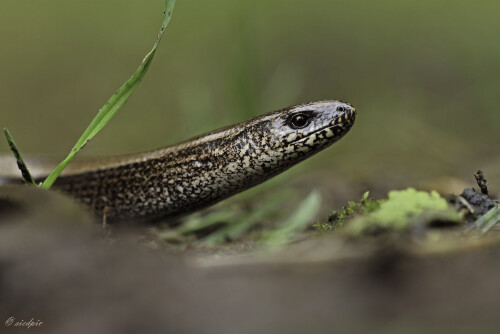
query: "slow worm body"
202, 171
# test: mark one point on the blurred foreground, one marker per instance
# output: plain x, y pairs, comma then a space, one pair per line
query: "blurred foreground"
57, 269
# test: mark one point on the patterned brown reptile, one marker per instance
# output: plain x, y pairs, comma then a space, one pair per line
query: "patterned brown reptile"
204, 170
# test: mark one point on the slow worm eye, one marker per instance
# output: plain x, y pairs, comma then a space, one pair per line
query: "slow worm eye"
299, 121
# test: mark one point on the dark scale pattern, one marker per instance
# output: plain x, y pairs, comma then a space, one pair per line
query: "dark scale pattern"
199, 172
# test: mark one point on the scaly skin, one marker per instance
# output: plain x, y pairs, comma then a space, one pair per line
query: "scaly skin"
204, 170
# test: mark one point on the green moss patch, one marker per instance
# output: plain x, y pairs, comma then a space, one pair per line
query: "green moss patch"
402, 209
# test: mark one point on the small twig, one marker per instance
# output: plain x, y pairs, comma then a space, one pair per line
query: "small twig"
20, 162
481, 182
466, 204
105, 214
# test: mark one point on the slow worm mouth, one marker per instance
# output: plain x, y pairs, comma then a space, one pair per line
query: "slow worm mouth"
328, 127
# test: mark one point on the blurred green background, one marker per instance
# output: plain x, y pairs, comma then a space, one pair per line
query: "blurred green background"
424, 76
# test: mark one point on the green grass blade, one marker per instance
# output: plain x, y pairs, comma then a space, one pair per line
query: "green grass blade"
20, 162
114, 103
245, 222
487, 221
295, 224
